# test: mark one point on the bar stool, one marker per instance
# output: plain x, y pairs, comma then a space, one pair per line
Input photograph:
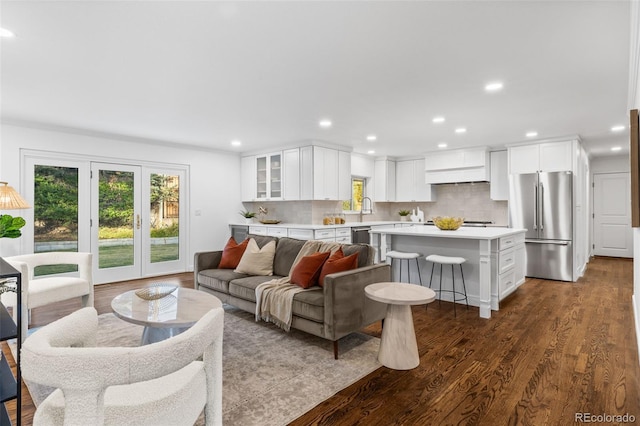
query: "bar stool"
449, 260
400, 255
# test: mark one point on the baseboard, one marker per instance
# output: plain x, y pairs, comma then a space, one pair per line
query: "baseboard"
636, 317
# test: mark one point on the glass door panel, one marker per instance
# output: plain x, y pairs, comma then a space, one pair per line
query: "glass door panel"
261, 177
164, 211
116, 222
55, 215
164, 243
276, 176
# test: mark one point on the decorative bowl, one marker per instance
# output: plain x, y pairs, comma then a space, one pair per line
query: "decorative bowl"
155, 291
270, 221
448, 223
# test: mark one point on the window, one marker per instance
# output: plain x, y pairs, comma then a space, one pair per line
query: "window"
357, 193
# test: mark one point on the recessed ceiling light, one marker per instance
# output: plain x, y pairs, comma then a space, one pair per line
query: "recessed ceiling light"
616, 148
618, 128
6, 33
372, 138
371, 151
442, 145
236, 142
493, 86
461, 130
438, 119
531, 134
325, 124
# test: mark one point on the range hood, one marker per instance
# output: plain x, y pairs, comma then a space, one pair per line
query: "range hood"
458, 166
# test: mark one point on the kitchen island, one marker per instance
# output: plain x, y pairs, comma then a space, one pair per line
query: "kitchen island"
495, 258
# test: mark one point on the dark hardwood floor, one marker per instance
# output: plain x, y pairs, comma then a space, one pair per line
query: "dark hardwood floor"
553, 350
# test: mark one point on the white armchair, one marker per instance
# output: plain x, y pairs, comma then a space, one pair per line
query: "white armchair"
164, 383
40, 291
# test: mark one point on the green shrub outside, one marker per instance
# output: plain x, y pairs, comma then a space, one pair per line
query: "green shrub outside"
126, 232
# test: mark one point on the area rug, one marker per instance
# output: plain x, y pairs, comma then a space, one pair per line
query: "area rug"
270, 377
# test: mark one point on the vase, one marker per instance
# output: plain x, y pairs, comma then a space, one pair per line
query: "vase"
248, 220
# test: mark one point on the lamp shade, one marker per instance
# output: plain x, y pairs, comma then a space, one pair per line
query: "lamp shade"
10, 199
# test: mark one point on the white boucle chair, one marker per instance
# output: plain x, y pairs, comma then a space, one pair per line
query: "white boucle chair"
164, 383
41, 291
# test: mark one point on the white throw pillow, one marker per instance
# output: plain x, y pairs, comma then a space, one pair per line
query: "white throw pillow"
257, 261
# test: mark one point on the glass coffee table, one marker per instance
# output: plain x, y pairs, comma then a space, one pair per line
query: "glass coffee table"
165, 317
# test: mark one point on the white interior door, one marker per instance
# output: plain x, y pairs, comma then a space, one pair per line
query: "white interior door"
612, 233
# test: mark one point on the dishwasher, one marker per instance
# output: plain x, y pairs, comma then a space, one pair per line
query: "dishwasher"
360, 234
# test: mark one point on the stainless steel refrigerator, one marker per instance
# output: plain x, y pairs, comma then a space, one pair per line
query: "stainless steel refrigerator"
543, 204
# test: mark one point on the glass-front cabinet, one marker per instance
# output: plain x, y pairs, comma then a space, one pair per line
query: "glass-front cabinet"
269, 176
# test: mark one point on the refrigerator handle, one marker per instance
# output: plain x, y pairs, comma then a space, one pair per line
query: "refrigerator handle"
541, 211
535, 213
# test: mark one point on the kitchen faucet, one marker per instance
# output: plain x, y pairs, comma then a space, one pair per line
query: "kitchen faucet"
363, 210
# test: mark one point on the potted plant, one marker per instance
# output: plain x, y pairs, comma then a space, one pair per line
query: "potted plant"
10, 226
248, 216
403, 214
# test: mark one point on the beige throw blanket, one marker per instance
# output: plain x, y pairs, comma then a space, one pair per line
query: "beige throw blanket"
274, 299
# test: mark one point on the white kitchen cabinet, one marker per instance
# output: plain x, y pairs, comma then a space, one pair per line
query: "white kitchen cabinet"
384, 180
510, 264
306, 173
291, 174
499, 189
266, 173
325, 173
410, 182
458, 165
542, 157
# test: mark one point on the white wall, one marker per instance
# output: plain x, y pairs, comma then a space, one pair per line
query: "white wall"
214, 176
610, 164
634, 103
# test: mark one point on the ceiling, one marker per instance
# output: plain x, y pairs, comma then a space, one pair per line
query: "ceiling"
206, 73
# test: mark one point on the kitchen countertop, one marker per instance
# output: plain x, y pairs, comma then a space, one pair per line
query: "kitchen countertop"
320, 226
463, 232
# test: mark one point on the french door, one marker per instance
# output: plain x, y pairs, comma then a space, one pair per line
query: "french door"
131, 217
116, 222
135, 223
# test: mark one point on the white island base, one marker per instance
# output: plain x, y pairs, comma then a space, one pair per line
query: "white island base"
493, 270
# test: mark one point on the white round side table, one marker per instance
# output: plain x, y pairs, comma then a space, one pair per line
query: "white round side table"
398, 346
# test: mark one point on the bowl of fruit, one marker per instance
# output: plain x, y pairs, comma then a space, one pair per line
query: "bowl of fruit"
448, 223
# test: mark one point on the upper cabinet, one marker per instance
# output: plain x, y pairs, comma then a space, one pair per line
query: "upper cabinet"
291, 174
458, 165
325, 173
306, 173
384, 180
262, 177
499, 189
410, 182
541, 157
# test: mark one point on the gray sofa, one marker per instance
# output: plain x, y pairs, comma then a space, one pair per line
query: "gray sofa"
333, 311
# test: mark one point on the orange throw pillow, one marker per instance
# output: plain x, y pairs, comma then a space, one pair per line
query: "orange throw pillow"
232, 253
338, 263
307, 270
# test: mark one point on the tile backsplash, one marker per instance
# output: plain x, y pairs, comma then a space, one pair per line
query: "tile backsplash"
469, 200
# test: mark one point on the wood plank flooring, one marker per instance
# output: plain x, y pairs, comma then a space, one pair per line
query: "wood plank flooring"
554, 349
